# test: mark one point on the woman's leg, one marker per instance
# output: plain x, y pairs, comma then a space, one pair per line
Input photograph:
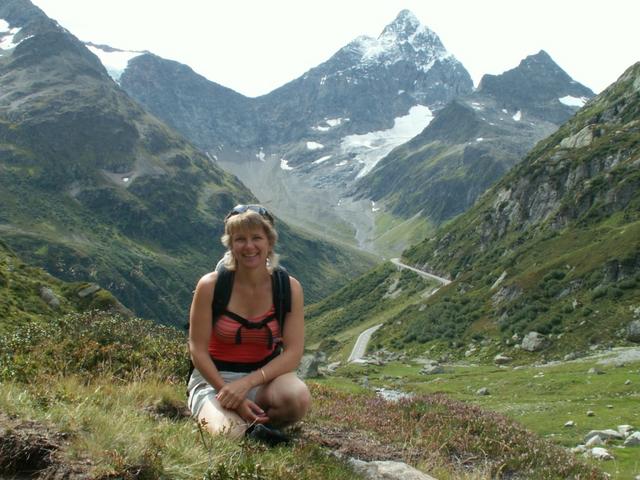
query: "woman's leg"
217, 419
285, 399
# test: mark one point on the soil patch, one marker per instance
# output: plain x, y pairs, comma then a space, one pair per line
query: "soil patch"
33, 450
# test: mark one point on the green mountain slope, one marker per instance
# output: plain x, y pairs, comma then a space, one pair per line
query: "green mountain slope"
94, 188
554, 247
29, 295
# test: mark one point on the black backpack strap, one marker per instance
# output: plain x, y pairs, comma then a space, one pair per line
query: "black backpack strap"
222, 292
281, 287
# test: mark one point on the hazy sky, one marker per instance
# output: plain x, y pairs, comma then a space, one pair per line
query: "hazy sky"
254, 46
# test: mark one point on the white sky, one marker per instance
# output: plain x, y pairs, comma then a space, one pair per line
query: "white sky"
255, 46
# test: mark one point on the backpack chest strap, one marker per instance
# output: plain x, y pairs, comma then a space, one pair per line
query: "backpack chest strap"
244, 323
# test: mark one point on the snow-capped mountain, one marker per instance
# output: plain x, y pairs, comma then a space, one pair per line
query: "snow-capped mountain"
474, 140
311, 138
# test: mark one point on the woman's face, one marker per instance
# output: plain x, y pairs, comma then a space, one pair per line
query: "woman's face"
250, 247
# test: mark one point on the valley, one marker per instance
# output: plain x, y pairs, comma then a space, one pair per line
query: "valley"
483, 241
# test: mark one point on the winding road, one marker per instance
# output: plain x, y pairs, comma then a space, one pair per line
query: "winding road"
363, 339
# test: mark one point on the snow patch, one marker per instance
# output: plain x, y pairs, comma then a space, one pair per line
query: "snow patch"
115, 61
314, 146
373, 207
371, 147
341, 164
400, 92
7, 35
479, 139
322, 159
329, 124
261, 156
518, 116
477, 106
573, 101
284, 164
504, 110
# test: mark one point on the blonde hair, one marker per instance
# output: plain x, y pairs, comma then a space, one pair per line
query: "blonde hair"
243, 222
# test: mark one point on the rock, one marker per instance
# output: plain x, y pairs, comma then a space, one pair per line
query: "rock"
579, 449
628, 382
591, 413
594, 442
502, 359
309, 365
632, 440
600, 453
388, 470
570, 356
433, 369
633, 331
332, 367
48, 296
570, 423
604, 435
533, 342
85, 292
625, 430
483, 391
595, 371
581, 139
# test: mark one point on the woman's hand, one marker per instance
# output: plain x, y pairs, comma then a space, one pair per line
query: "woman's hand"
231, 395
251, 413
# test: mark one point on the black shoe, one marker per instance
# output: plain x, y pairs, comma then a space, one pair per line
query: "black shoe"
266, 434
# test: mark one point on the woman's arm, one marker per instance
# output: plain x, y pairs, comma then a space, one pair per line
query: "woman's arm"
200, 326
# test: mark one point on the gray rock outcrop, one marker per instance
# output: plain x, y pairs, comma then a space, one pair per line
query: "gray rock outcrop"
533, 342
633, 331
310, 364
48, 296
388, 470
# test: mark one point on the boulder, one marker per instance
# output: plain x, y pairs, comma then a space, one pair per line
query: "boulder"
533, 342
632, 440
633, 331
388, 470
595, 442
600, 453
309, 364
501, 359
604, 435
625, 430
433, 369
483, 391
570, 423
49, 297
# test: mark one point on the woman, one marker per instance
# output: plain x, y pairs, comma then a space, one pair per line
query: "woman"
225, 397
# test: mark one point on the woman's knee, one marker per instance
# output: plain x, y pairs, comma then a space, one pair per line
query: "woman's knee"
293, 399
217, 421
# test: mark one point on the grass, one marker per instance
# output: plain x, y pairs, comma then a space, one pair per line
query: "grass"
109, 403
540, 398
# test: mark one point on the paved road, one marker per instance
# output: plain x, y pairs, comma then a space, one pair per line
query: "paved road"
361, 344
363, 339
444, 281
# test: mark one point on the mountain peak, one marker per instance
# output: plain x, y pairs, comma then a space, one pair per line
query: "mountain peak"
405, 22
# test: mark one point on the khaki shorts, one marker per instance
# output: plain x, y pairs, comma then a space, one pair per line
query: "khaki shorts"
200, 391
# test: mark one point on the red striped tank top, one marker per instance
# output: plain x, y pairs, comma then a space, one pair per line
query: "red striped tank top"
233, 342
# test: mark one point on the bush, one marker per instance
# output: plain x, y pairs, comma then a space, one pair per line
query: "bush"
94, 343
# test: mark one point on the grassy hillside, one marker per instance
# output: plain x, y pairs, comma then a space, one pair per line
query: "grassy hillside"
105, 402
553, 248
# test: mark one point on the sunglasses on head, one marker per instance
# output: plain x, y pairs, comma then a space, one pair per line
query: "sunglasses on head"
254, 208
